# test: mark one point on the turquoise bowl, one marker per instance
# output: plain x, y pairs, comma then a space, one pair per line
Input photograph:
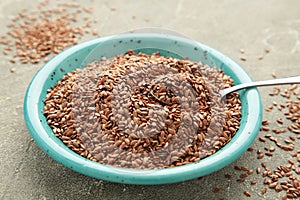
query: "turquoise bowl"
169, 45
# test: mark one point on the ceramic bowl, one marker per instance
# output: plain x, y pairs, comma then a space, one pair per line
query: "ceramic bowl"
169, 45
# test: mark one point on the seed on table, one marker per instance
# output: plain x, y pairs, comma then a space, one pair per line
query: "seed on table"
258, 170
293, 138
284, 197
253, 182
244, 168
260, 57
280, 121
265, 128
272, 149
278, 188
266, 180
217, 190
262, 139
228, 176
243, 58
288, 141
259, 151
12, 70
267, 50
240, 180
242, 50
250, 149
265, 122
272, 184
269, 154
264, 191
46, 59
247, 193
260, 156
243, 175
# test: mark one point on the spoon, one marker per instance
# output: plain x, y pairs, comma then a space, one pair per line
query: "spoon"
280, 81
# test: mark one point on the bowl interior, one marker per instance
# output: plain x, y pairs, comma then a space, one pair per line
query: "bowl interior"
173, 46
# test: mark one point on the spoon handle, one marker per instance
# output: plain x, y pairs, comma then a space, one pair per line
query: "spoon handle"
280, 81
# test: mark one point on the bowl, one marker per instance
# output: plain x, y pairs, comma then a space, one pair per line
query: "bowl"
168, 45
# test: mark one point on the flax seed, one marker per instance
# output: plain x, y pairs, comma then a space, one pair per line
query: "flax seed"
108, 132
247, 193
243, 58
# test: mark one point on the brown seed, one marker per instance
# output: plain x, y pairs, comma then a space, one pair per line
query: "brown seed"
284, 197
242, 50
247, 193
250, 149
12, 70
262, 139
265, 128
258, 170
243, 58
253, 182
12, 60
264, 191
46, 59
260, 156
240, 180
260, 57
243, 175
280, 121
228, 176
267, 50
269, 154
272, 184
217, 190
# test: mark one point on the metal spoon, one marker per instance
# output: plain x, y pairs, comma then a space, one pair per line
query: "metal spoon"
281, 81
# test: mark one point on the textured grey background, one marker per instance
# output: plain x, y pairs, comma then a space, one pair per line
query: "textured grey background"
28, 173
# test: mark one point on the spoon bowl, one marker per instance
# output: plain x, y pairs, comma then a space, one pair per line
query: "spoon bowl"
281, 81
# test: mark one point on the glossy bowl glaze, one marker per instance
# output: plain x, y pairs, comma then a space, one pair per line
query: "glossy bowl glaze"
168, 45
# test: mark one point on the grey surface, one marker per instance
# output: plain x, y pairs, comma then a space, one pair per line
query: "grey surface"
28, 173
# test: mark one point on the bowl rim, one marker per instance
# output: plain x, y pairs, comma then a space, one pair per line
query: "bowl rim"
57, 150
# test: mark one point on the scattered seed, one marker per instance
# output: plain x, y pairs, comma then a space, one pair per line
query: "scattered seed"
228, 176
262, 139
242, 50
217, 190
12, 70
264, 191
258, 170
280, 121
253, 182
243, 58
247, 193
35, 35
